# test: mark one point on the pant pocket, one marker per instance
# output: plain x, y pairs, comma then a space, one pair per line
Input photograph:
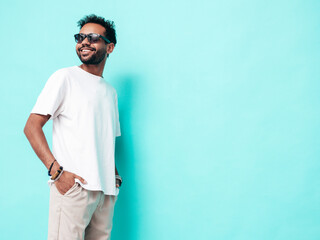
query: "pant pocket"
73, 188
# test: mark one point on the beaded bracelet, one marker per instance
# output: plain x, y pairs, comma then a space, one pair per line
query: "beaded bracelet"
58, 172
51, 167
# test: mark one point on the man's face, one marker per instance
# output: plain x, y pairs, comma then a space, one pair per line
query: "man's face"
92, 53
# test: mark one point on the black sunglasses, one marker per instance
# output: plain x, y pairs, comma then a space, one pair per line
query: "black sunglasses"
92, 37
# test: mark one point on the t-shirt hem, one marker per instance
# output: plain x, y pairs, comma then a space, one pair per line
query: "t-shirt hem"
50, 182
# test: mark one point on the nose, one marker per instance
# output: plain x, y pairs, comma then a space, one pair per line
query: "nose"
85, 42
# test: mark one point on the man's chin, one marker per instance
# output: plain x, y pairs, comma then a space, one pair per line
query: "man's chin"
87, 61
94, 60
90, 61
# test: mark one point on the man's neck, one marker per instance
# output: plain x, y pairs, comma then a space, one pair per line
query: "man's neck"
96, 69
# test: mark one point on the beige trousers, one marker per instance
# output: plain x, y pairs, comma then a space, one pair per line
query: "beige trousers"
80, 214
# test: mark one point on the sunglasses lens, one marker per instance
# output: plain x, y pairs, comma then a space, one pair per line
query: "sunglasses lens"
78, 38
92, 38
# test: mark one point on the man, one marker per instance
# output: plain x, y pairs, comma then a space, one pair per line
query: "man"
84, 182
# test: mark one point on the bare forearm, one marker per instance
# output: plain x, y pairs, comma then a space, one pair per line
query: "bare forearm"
38, 142
116, 171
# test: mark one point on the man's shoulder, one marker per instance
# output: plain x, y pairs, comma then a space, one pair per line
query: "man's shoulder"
65, 70
62, 73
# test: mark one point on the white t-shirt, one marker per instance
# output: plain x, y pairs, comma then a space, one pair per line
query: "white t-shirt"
84, 109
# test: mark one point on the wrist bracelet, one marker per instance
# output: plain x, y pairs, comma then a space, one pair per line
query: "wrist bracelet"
120, 179
57, 173
58, 176
51, 167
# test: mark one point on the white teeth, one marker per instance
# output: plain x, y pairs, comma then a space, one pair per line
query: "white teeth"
85, 50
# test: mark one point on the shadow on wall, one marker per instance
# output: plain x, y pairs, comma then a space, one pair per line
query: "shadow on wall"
126, 220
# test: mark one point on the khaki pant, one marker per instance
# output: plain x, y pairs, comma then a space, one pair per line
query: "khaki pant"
80, 214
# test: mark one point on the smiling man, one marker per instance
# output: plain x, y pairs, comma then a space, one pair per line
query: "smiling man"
84, 182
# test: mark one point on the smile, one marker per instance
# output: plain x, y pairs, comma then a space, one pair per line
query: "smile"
86, 50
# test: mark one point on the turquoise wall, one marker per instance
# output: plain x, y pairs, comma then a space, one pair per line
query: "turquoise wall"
219, 110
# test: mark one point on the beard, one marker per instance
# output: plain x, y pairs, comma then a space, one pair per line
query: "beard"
95, 58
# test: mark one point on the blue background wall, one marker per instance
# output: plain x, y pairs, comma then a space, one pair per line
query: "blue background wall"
219, 109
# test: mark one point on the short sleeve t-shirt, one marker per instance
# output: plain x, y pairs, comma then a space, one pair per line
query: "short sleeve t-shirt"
84, 110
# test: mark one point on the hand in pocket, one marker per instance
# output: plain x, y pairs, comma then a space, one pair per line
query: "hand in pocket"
67, 181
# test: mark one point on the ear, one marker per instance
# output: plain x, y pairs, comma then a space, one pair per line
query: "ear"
110, 48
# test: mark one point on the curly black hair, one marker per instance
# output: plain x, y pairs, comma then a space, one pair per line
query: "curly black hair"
110, 32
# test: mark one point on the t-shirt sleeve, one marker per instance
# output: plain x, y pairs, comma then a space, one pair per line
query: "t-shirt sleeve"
52, 97
118, 132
